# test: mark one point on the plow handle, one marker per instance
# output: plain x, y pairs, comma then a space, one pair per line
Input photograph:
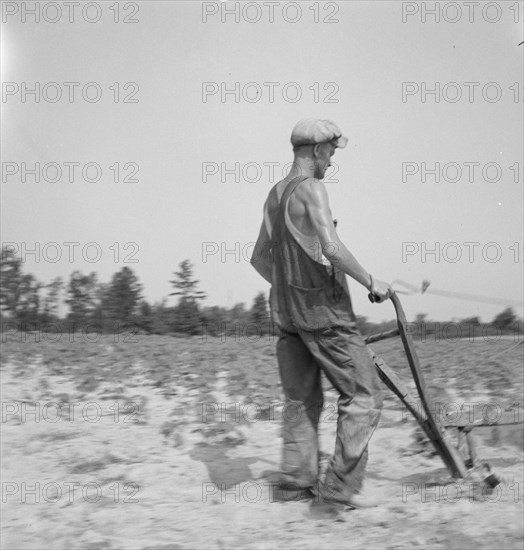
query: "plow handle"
448, 453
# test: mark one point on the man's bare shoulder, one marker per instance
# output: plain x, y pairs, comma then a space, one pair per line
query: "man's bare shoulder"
311, 190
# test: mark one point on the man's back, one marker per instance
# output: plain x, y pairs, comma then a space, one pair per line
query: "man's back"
306, 289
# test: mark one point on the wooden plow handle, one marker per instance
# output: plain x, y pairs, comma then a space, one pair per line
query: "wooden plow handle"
449, 454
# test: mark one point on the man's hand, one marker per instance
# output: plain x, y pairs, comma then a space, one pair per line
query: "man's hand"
380, 291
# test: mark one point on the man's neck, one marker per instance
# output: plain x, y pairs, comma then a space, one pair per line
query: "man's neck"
301, 167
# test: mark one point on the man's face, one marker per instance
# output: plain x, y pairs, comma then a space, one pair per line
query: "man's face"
323, 154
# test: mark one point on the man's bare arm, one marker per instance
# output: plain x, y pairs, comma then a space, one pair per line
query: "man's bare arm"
260, 256
317, 207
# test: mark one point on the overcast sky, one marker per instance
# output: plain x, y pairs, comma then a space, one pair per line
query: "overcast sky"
366, 70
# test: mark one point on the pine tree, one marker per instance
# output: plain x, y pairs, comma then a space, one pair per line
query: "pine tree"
259, 312
185, 283
10, 280
52, 298
122, 296
27, 308
145, 316
186, 313
19, 292
81, 296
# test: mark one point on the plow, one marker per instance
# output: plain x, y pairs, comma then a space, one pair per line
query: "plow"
460, 464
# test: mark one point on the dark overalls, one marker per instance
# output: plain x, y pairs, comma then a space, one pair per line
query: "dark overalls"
310, 303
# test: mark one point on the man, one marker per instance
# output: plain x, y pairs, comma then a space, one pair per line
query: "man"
300, 254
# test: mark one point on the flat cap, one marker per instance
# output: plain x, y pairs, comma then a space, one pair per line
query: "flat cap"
310, 131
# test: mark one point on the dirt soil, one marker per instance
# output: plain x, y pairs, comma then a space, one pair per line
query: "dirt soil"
164, 443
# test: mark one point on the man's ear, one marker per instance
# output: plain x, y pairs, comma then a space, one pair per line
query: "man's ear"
316, 150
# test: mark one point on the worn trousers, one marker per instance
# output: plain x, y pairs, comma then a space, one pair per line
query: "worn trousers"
341, 353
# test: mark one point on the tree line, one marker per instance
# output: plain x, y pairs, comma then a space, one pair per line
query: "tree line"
120, 304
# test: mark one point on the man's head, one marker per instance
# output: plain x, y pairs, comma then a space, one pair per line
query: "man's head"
317, 140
